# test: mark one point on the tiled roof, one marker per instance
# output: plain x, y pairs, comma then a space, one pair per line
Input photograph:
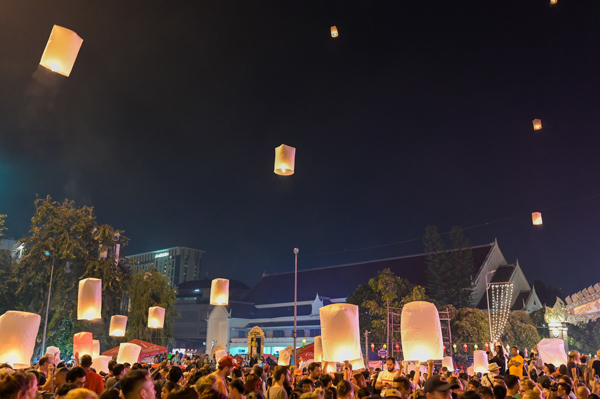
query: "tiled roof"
342, 280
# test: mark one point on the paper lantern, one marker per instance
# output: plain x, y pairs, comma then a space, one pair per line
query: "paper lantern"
284, 358
285, 160
95, 348
537, 124
334, 31
219, 291
357, 364
340, 334
447, 362
89, 304
129, 353
54, 352
83, 343
330, 368
470, 371
18, 332
100, 363
156, 317
536, 218
118, 326
480, 362
318, 349
552, 350
553, 1
220, 354
421, 332
61, 51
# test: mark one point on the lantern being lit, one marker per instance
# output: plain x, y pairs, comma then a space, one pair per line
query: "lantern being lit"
340, 332
95, 348
129, 353
480, 362
447, 362
284, 358
18, 332
537, 124
61, 51
318, 349
536, 218
100, 363
552, 350
118, 326
334, 31
219, 291
89, 304
156, 317
285, 159
421, 332
83, 343
357, 364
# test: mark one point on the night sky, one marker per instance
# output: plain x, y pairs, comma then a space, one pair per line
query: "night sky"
419, 113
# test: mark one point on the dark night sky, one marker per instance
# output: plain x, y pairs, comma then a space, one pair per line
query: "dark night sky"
418, 113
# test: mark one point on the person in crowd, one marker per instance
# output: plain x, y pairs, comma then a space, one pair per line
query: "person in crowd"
314, 371
253, 383
165, 389
516, 363
237, 389
281, 383
63, 390
326, 380
46, 368
183, 393
473, 385
488, 379
137, 384
362, 393
345, 390
499, 391
306, 385
499, 358
77, 376
81, 393
110, 393
226, 363
14, 386
471, 395
93, 381
485, 392
513, 385
386, 377
118, 371
563, 390
573, 364
236, 374
437, 387
582, 392
174, 375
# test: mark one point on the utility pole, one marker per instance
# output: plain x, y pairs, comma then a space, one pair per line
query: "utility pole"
367, 349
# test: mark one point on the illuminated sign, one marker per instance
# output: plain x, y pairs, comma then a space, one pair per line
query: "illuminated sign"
162, 255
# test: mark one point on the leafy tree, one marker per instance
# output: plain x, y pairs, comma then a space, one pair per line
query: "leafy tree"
151, 289
470, 326
359, 297
418, 294
585, 337
7, 287
520, 330
463, 267
537, 317
2, 228
438, 272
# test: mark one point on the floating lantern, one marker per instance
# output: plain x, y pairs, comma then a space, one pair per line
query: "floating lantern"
357, 364
470, 371
83, 343
480, 362
220, 354
61, 50
18, 332
118, 326
285, 159
552, 350
95, 348
100, 363
421, 331
284, 358
553, 1
89, 304
466, 347
537, 124
340, 332
54, 352
156, 317
129, 353
447, 362
219, 292
318, 349
536, 218
334, 31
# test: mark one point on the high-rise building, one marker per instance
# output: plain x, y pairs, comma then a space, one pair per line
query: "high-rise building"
179, 264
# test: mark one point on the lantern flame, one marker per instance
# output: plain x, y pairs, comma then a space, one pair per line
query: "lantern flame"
285, 160
537, 124
61, 50
536, 218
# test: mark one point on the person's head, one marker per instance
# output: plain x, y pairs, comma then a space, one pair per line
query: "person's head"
499, 392
183, 393
326, 381
363, 393
438, 387
402, 385
345, 389
137, 384
549, 368
514, 350
60, 376
485, 392
206, 383
45, 361
390, 364
531, 394
14, 386
306, 385
175, 374
253, 383
256, 369
236, 374
473, 385
582, 392
255, 395
127, 367
512, 384
86, 361
499, 380
526, 385
236, 389
81, 393
566, 379
471, 395
562, 369
563, 390
76, 376
118, 371
573, 356
282, 376
314, 371
167, 387
110, 394
584, 359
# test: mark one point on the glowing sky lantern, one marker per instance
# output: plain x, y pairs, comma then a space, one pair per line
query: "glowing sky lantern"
357, 364
536, 218
552, 351
18, 332
61, 50
537, 124
480, 362
129, 353
340, 332
118, 326
83, 344
156, 317
89, 303
334, 31
100, 363
219, 291
421, 332
447, 362
553, 1
318, 349
285, 159
284, 358
95, 348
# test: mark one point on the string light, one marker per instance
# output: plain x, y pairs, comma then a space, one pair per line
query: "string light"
501, 300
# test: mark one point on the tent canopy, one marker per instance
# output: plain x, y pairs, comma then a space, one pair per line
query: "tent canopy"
148, 349
306, 353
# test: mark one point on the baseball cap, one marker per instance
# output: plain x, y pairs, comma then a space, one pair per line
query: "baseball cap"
391, 393
438, 383
227, 361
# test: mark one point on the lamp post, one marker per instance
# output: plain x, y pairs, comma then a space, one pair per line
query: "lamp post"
487, 294
296, 250
48, 303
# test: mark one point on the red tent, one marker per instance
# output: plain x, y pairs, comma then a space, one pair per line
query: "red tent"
148, 349
307, 353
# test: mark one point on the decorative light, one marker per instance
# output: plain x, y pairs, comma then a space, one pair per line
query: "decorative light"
421, 331
285, 159
537, 124
372, 348
156, 317
334, 31
476, 346
536, 218
384, 346
129, 353
219, 292
83, 343
89, 301
397, 347
18, 333
454, 346
340, 332
465, 346
61, 50
54, 352
118, 326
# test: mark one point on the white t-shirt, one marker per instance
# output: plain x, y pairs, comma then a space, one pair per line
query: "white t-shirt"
386, 377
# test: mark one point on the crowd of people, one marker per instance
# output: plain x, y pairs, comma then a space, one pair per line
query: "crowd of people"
509, 377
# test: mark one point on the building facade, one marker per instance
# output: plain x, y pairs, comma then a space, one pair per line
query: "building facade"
179, 264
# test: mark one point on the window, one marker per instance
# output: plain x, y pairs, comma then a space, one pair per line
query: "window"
300, 333
278, 333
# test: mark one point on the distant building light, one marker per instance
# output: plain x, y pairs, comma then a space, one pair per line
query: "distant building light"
161, 255
197, 290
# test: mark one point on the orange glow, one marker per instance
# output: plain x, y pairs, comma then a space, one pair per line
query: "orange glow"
334, 31
285, 160
156, 317
553, 1
61, 50
537, 124
219, 292
536, 217
118, 325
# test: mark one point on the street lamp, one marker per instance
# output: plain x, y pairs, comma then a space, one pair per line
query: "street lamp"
487, 293
296, 250
48, 303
